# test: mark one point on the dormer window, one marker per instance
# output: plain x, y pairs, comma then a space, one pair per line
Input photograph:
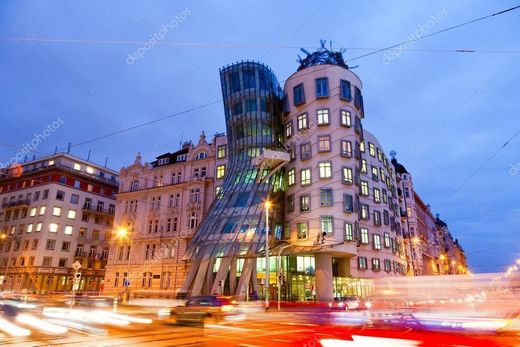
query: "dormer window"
202, 155
164, 161
181, 157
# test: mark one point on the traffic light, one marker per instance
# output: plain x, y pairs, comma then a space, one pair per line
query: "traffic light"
77, 276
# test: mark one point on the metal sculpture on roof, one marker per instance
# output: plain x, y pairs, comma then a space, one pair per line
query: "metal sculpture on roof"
322, 56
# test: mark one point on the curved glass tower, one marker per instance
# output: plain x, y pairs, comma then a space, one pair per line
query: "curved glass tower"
234, 228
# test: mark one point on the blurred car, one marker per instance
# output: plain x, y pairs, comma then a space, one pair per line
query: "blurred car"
206, 309
12, 306
349, 302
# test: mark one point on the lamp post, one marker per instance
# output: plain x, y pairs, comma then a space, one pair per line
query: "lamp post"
122, 233
267, 275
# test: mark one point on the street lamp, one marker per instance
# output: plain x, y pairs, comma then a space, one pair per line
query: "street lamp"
122, 234
267, 207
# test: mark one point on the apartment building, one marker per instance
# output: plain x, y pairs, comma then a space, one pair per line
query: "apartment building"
55, 211
159, 206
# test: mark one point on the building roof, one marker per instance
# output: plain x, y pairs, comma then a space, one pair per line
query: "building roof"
322, 56
399, 168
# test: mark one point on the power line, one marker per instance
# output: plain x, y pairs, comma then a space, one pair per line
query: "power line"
415, 39
245, 45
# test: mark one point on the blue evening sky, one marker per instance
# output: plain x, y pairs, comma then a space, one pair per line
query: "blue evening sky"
446, 114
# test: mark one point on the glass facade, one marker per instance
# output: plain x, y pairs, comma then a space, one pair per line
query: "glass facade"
235, 223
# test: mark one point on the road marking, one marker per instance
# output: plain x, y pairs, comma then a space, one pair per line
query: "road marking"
279, 340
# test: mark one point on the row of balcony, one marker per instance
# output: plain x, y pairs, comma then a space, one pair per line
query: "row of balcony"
17, 203
99, 209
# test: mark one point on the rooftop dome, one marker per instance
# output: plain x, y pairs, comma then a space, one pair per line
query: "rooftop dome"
322, 56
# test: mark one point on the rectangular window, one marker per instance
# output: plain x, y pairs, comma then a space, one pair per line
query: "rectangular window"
221, 170
345, 118
349, 232
372, 149
377, 195
377, 218
60, 195
53, 227
302, 121
364, 236
29, 228
323, 116
68, 230
326, 197
326, 223
363, 168
305, 203
362, 263
375, 174
345, 90
325, 169
305, 151
322, 87
65, 246
302, 230
388, 265
386, 240
290, 203
221, 152
291, 177
348, 203
49, 246
305, 177
42, 210
376, 264
288, 129
56, 211
365, 212
323, 143
299, 94
364, 188
47, 261
346, 149
348, 178
377, 241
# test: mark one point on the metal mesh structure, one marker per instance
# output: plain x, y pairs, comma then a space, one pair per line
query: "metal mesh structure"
235, 223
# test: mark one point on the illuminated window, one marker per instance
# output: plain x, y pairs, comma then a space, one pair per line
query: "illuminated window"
305, 203
325, 169
302, 230
289, 129
377, 241
305, 177
90, 170
29, 228
345, 118
42, 210
221, 152
33, 212
77, 166
323, 116
218, 192
346, 148
377, 195
365, 212
68, 230
364, 188
348, 177
302, 121
371, 149
324, 143
53, 227
56, 211
38, 227
349, 232
364, 235
363, 166
327, 224
376, 264
362, 146
291, 179
375, 174
221, 169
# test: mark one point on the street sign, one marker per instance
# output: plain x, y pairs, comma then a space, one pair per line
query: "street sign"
76, 266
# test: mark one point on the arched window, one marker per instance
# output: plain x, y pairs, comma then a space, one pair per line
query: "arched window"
202, 155
134, 186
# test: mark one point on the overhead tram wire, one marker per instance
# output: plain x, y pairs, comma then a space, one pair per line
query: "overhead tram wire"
436, 32
216, 102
